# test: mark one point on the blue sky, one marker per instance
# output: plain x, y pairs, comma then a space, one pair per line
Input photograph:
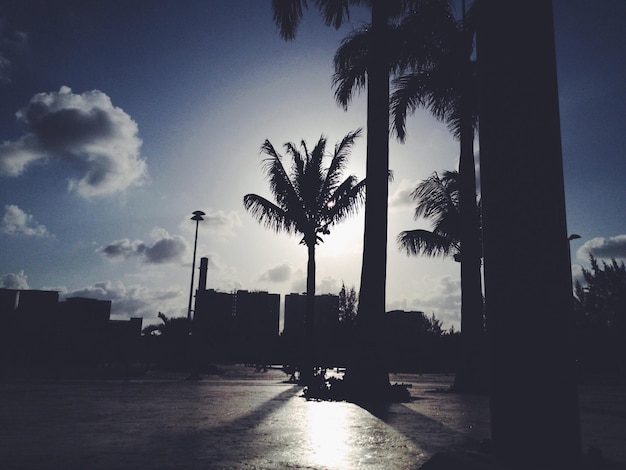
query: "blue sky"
118, 120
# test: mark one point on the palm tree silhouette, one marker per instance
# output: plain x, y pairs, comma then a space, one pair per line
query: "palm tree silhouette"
431, 58
172, 336
434, 68
437, 200
447, 87
371, 372
309, 200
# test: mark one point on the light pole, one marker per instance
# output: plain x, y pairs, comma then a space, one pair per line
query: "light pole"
197, 216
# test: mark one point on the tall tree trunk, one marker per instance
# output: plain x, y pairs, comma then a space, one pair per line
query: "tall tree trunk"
309, 317
528, 288
471, 375
368, 371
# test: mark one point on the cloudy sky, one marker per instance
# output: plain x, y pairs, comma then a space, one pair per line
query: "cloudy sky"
119, 119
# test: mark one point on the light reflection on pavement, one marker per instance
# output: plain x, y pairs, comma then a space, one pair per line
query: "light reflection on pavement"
246, 420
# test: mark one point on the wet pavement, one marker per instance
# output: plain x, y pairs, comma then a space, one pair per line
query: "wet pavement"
249, 420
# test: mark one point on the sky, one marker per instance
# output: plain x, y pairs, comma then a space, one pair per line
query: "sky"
119, 119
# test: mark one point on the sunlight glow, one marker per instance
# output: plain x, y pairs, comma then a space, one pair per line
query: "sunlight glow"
330, 433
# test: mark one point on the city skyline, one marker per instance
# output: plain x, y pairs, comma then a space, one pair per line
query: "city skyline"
118, 122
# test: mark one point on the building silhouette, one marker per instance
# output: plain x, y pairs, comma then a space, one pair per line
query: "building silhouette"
240, 326
40, 331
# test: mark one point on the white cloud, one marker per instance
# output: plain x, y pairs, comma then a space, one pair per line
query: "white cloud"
439, 295
86, 131
280, 273
298, 284
327, 285
216, 221
295, 280
135, 300
600, 247
222, 276
165, 248
14, 281
17, 222
401, 197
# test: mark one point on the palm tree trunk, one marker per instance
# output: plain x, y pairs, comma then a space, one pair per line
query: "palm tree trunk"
369, 370
309, 317
528, 285
471, 376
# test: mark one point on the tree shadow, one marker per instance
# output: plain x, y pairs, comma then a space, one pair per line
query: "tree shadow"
430, 434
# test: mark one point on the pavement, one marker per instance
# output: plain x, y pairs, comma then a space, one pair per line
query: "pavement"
255, 420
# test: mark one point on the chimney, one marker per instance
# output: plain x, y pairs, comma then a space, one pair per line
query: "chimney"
204, 264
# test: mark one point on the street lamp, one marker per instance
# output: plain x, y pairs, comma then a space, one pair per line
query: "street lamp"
197, 216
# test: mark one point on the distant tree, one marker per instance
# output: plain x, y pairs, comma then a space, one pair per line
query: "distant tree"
348, 304
309, 200
169, 327
601, 300
171, 340
434, 325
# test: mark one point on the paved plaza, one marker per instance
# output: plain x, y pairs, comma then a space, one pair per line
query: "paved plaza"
255, 420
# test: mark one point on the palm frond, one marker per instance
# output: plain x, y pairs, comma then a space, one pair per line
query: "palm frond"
311, 198
351, 66
339, 161
298, 166
345, 200
406, 98
287, 16
441, 75
437, 197
313, 181
423, 34
432, 89
269, 214
425, 242
334, 12
281, 185
438, 201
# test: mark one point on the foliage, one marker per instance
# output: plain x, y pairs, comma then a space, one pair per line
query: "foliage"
438, 202
170, 327
602, 300
435, 325
168, 342
287, 13
441, 81
415, 39
309, 198
348, 303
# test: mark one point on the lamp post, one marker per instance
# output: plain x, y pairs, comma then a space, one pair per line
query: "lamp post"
197, 216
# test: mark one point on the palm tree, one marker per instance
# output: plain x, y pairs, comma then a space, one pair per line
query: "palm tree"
447, 87
436, 50
438, 201
172, 338
371, 373
309, 200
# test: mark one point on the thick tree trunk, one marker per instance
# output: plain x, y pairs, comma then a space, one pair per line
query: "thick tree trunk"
471, 376
368, 371
528, 290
